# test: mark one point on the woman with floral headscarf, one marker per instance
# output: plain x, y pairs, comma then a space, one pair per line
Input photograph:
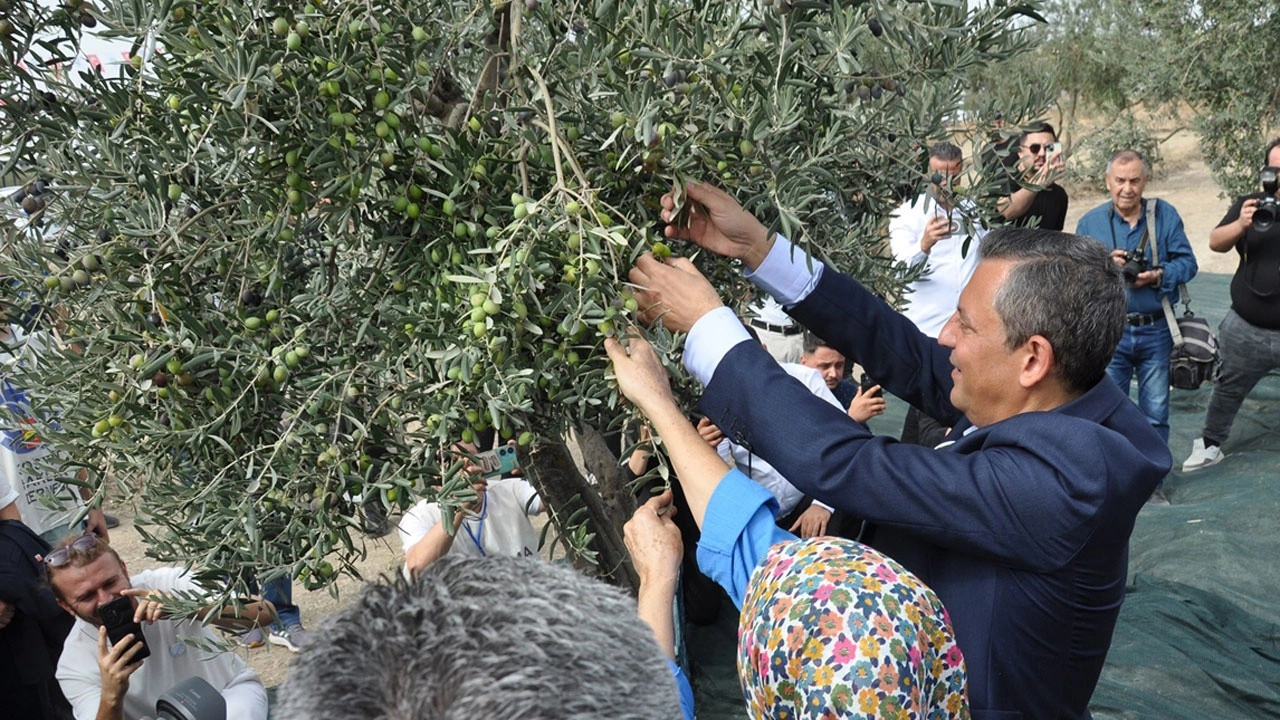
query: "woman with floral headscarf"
829, 628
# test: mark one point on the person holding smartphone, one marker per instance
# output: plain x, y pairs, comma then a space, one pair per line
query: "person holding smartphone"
942, 238
495, 524
122, 678
1032, 196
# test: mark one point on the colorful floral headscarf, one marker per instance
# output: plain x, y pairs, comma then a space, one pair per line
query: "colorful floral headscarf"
833, 629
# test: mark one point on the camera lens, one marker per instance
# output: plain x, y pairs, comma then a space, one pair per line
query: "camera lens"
1264, 217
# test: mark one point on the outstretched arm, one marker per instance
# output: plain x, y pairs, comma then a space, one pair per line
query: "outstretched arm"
736, 515
643, 379
656, 550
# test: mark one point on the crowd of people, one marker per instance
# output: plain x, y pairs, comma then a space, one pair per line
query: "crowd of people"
975, 567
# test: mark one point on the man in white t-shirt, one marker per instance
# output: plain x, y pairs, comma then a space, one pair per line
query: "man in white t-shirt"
46, 503
497, 524
104, 682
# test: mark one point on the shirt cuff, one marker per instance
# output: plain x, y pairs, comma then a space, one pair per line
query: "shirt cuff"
787, 273
737, 531
684, 688
709, 340
824, 506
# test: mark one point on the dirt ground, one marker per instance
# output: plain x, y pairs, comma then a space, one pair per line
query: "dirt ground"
1185, 182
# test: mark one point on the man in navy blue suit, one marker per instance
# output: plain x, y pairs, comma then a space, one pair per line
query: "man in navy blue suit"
1021, 521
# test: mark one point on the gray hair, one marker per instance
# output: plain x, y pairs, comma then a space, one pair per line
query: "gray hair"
946, 152
1066, 289
495, 637
1126, 156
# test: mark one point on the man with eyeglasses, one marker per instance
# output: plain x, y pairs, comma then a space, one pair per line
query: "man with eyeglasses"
1032, 196
940, 235
106, 682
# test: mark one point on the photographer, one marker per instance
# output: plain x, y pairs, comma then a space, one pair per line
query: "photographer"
112, 681
940, 235
1032, 195
1249, 335
1123, 226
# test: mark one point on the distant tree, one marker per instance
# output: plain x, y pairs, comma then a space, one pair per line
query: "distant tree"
1202, 64
295, 251
1214, 57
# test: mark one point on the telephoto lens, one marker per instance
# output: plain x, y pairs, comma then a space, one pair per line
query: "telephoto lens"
1264, 215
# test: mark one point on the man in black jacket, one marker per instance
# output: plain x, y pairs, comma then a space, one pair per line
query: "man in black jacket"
32, 629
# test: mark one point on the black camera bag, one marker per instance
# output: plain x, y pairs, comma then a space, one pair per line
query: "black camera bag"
1194, 359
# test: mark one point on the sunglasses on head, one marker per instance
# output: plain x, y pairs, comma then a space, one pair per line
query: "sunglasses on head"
61, 556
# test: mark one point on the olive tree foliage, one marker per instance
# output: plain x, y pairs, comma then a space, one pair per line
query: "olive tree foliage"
1205, 64
294, 251
1084, 65
1218, 58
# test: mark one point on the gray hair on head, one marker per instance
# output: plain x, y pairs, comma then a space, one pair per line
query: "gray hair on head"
1066, 289
483, 638
1126, 156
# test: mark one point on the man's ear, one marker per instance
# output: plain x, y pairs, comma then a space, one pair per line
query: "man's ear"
58, 597
1038, 361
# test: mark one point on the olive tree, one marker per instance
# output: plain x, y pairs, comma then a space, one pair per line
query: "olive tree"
293, 251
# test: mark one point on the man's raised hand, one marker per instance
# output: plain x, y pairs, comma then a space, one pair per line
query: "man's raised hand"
673, 292
711, 218
641, 376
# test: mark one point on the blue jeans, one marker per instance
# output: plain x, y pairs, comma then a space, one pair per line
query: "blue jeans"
280, 593
1145, 349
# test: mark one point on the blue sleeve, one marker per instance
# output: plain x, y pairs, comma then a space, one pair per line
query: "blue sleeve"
1089, 227
684, 688
1179, 260
737, 532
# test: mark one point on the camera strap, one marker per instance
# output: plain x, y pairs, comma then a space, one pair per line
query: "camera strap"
1169, 316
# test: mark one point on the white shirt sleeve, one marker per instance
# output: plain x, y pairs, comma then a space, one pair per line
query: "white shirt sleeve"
415, 523
246, 697
709, 340
725, 450
905, 231
787, 273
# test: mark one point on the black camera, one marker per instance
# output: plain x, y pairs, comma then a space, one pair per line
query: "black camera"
191, 699
1268, 208
1133, 265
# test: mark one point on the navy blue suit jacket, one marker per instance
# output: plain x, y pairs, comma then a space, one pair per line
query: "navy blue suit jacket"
1021, 527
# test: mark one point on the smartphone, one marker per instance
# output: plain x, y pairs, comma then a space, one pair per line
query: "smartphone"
117, 618
499, 461
1052, 149
866, 382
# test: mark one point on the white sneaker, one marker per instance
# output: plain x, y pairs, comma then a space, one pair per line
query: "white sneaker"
1201, 456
